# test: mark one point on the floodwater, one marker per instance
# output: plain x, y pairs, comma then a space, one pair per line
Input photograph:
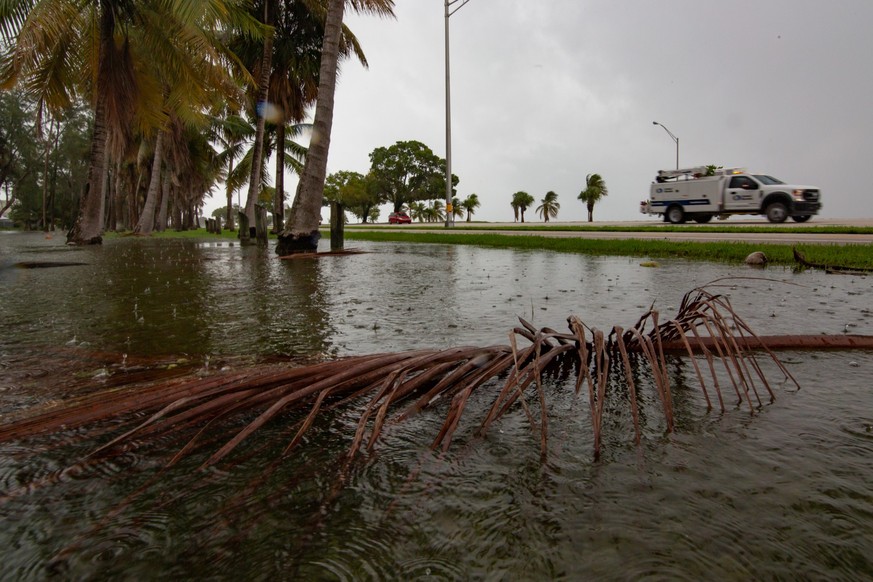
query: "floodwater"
783, 493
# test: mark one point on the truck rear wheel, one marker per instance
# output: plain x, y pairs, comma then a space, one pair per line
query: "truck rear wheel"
702, 218
675, 214
802, 218
777, 213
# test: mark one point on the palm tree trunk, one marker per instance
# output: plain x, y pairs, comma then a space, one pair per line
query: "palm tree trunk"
88, 228
279, 199
229, 216
118, 193
109, 211
301, 229
147, 218
165, 203
45, 172
257, 158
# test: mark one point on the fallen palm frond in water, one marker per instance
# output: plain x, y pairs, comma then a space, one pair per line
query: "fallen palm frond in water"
395, 386
800, 258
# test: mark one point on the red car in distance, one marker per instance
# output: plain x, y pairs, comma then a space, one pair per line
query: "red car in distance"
399, 218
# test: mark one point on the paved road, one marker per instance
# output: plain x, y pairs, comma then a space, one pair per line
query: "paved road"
697, 233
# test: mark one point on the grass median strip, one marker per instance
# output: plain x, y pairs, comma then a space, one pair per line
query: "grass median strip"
855, 256
462, 226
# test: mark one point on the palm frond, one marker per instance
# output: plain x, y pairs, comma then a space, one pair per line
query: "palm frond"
390, 388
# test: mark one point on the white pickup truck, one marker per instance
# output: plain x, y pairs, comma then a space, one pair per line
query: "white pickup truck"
700, 193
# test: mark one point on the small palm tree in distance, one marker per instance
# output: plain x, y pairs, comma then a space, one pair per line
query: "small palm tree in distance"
549, 206
470, 204
595, 189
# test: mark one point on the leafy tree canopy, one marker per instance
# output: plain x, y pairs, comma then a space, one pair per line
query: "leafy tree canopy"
41, 167
221, 211
359, 194
409, 171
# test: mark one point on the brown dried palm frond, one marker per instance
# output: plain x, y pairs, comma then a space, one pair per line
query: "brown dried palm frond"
392, 387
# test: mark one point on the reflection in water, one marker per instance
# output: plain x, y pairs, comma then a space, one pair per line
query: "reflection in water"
780, 494
260, 305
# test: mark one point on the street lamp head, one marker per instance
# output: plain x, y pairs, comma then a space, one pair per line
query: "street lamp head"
654, 123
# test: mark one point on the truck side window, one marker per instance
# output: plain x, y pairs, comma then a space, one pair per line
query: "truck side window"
743, 182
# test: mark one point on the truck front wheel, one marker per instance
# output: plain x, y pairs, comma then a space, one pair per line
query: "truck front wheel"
676, 215
802, 218
702, 218
777, 213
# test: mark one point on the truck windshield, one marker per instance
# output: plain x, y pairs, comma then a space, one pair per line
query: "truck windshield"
769, 180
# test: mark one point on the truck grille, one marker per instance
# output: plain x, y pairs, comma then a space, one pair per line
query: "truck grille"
810, 195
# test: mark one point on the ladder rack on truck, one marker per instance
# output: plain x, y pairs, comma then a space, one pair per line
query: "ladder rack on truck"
695, 173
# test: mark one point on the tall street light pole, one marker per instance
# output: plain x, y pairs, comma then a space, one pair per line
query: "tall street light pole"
676, 139
450, 9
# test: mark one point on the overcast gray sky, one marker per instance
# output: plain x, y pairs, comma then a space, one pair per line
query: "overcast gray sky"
544, 93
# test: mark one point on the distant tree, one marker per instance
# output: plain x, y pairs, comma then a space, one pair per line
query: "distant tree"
595, 189
42, 173
409, 171
549, 206
221, 212
19, 156
356, 192
521, 201
374, 214
470, 204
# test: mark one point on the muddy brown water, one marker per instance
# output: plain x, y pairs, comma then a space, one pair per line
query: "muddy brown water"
783, 493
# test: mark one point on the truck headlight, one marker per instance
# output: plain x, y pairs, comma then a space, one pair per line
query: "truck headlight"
798, 195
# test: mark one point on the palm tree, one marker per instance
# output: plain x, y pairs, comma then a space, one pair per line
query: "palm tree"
240, 175
121, 56
437, 210
470, 204
294, 75
549, 207
193, 169
231, 132
147, 216
457, 209
521, 201
286, 65
417, 211
595, 189
301, 227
